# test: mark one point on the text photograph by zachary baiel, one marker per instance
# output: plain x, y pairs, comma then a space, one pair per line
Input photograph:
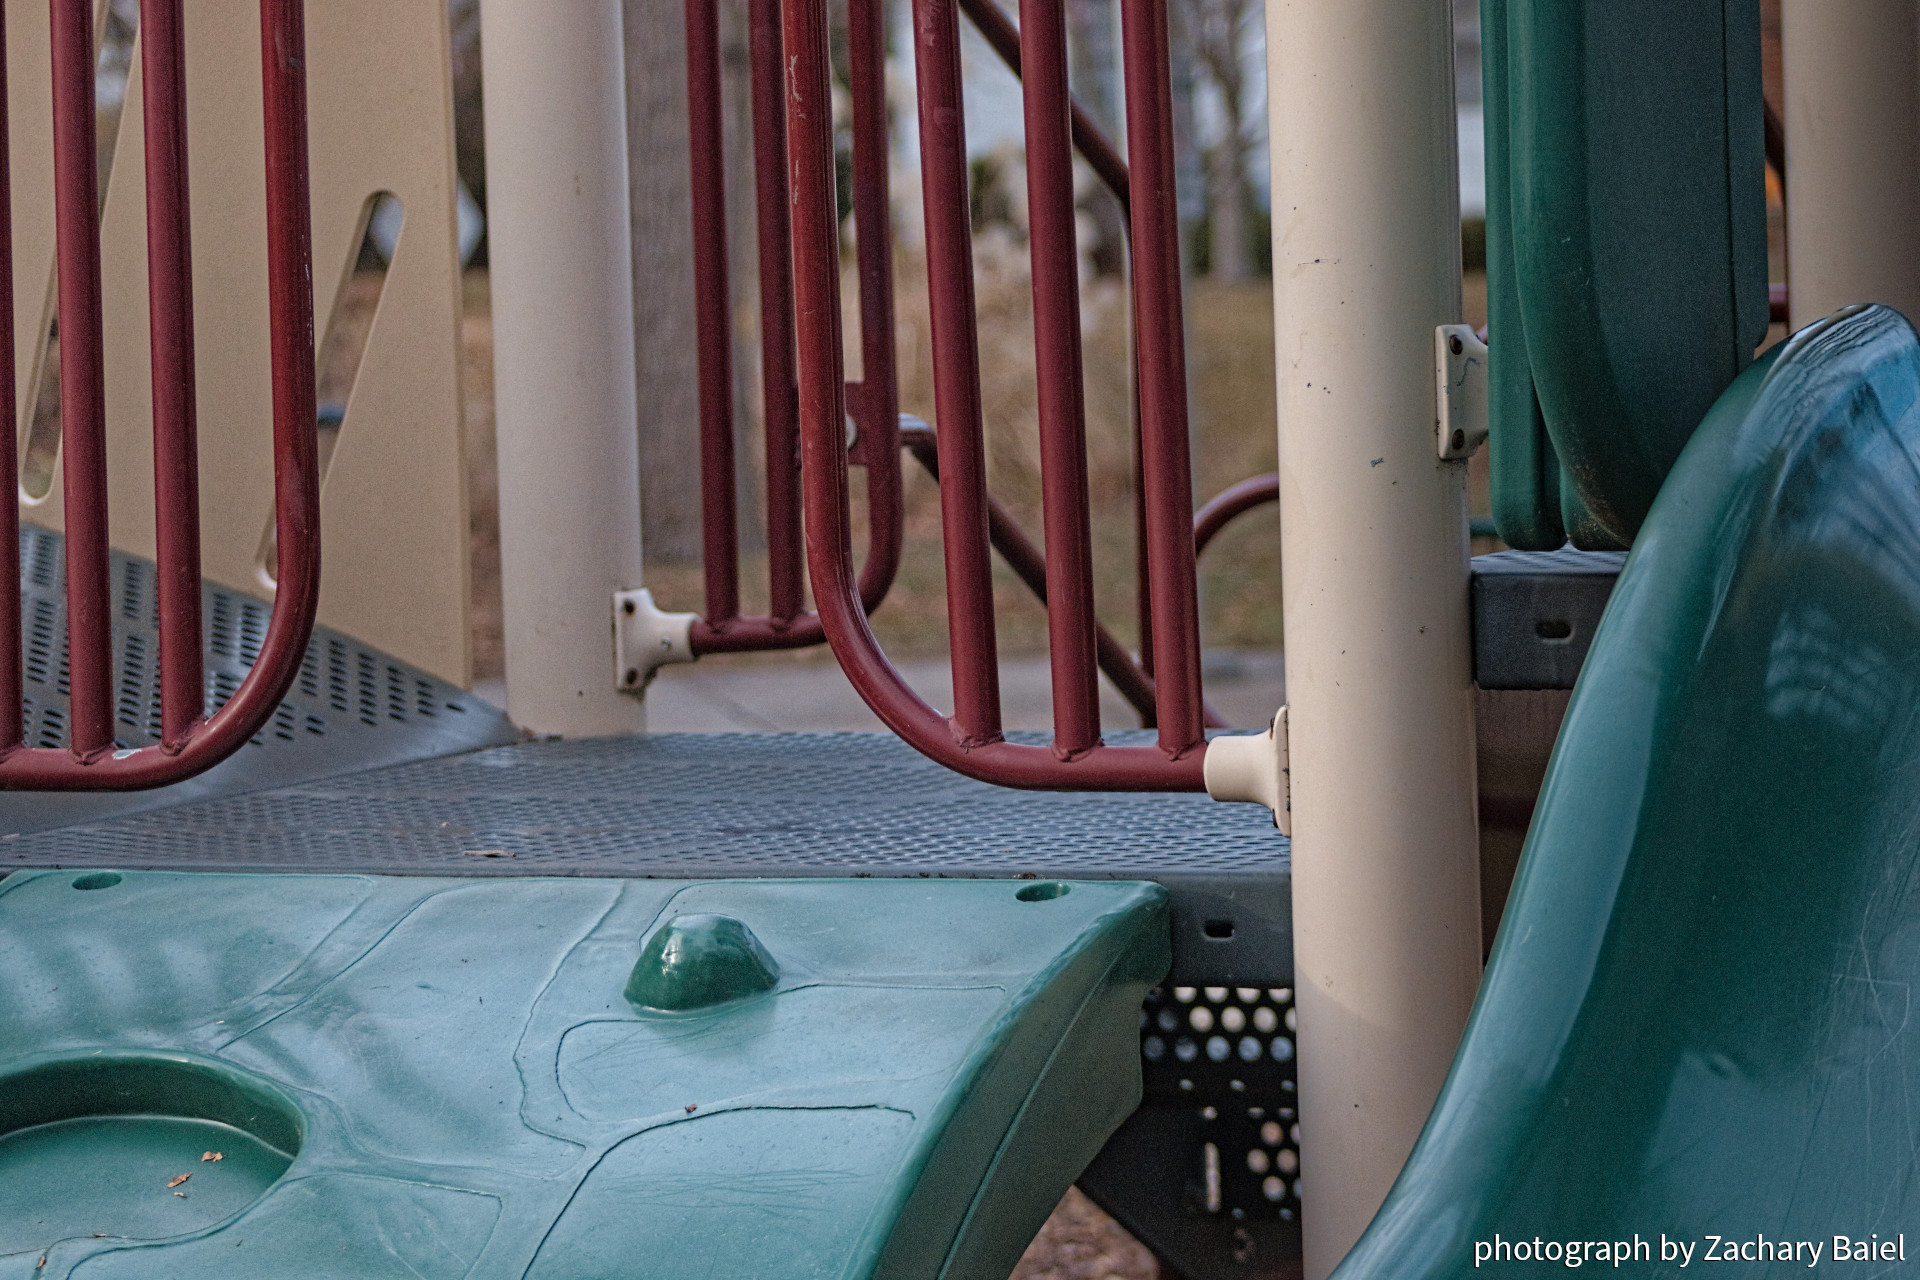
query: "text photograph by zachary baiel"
1689, 1251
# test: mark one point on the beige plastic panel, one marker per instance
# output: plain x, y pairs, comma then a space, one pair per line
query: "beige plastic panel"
393, 503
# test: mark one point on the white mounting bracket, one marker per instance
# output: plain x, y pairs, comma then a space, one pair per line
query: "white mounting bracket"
1460, 391
646, 639
1254, 767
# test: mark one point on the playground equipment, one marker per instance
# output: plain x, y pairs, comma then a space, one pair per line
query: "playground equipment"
399, 987
189, 740
1762, 631
722, 1106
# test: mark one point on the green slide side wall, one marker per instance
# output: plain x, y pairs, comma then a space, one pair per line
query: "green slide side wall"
1698, 1017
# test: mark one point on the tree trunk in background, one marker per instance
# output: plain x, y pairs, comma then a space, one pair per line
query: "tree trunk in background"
663, 327
1219, 40
1189, 170
469, 114
1093, 44
665, 355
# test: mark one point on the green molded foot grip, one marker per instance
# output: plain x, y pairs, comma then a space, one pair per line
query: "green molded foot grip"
357, 1078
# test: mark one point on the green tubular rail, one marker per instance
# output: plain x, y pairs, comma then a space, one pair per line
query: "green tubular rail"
1525, 469
1698, 1017
1626, 248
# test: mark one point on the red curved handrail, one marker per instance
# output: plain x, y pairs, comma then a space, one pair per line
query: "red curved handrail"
1029, 565
191, 740
1231, 502
971, 741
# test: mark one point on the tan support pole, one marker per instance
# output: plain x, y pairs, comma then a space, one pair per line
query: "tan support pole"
1852, 73
564, 398
1386, 895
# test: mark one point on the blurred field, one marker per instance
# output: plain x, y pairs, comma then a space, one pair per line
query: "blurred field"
1230, 372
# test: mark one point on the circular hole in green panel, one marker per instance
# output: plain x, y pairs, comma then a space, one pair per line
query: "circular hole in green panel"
98, 880
134, 1146
1045, 891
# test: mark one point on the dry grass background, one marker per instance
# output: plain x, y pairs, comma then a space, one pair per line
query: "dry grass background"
1231, 371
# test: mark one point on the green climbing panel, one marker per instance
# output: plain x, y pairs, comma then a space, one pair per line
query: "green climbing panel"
1698, 1019
356, 1078
1626, 248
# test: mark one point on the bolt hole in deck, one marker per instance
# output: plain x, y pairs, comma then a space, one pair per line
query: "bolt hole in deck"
1045, 891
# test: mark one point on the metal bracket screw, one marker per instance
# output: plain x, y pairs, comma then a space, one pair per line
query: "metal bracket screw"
1460, 391
645, 638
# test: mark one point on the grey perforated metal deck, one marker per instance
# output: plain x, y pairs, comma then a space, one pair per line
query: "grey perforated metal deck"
707, 805
352, 706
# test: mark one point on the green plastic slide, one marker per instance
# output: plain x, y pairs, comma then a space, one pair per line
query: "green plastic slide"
364, 1078
1698, 1028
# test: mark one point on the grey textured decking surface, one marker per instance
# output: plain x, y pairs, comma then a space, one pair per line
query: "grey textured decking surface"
351, 706
676, 805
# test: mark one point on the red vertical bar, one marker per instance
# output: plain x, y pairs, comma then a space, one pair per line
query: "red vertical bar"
12, 728
878, 409
712, 313
176, 473
296, 472
785, 571
816, 240
1166, 470
1093, 145
816, 291
1142, 588
1054, 242
956, 372
83, 454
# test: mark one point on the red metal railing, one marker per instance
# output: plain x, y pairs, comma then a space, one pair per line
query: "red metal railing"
1099, 153
191, 740
971, 740
874, 400
1229, 504
1030, 566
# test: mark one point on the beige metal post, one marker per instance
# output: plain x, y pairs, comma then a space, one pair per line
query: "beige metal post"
1386, 898
557, 207
1852, 72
